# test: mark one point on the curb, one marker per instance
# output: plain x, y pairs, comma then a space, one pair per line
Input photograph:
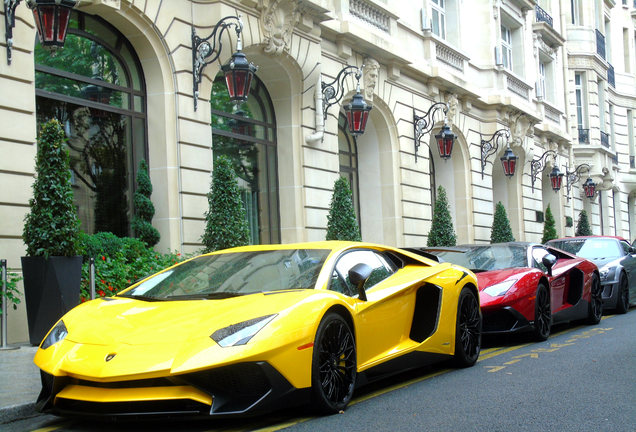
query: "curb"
17, 412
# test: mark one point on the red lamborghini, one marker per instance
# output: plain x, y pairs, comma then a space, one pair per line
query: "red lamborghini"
527, 286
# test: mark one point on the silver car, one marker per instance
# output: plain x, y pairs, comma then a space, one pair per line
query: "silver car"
616, 262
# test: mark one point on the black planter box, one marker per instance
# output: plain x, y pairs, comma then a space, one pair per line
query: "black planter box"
51, 288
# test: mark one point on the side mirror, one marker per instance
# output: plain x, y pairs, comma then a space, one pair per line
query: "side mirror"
358, 275
549, 261
632, 250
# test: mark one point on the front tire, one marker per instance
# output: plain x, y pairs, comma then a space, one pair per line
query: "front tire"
622, 302
468, 329
542, 314
333, 368
595, 307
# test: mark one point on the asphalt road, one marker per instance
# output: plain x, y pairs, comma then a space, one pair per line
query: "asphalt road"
582, 379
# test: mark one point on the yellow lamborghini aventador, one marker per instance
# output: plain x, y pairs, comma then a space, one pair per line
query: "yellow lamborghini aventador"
250, 329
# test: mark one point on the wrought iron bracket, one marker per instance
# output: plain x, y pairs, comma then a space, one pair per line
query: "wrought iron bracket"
490, 147
333, 91
572, 177
204, 52
9, 23
537, 165
424, 124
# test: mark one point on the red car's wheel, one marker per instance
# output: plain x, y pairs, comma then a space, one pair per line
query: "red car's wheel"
333, 370
542, 313
468, 331
622, 303
595, 307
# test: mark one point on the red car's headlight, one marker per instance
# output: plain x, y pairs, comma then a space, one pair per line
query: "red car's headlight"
499, 289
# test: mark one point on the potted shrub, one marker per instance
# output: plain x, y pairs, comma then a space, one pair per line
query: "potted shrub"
341, 220
52, 268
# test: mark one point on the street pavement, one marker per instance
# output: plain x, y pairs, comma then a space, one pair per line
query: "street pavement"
19, 383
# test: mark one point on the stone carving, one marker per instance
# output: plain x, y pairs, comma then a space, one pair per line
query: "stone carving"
370, 78
278, 20
453, 104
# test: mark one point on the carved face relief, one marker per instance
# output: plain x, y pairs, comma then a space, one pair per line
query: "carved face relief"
371, 68
278, 21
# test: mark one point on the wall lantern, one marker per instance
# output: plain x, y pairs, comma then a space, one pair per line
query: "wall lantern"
590, 188
508, 160
573, 176
537, 166
51, 19
424, 124
357, 111
238, 71
556, 178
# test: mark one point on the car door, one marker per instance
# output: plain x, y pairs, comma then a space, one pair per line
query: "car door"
629, 264
559, 283
383, 319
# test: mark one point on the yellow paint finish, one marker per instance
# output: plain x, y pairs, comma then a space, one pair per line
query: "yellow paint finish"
96, 394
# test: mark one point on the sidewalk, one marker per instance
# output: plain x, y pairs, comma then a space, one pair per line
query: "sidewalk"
19, 383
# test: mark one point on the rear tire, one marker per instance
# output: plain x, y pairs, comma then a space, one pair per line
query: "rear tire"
333, 366
467, 330
542, 313
622, 302
595, 307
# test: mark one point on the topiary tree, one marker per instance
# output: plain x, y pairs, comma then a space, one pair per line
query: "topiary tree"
341, 220
501, 231
144, 209
51, 228
583, 226
442, 232
225, 221
549, 227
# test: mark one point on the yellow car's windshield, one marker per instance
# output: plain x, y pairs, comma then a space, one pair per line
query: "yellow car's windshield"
233, 274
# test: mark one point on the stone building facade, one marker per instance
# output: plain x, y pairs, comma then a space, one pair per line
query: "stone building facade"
558, 75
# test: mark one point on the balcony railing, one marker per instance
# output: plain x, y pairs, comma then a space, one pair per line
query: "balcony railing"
632, 159
604, 139
600, 44
610, 76
584, 136
543, 16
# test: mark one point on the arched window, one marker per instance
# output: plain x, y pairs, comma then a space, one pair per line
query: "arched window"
348, 156
247, 135
94, 86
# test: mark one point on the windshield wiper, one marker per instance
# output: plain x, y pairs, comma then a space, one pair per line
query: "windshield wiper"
141, 297
210, 296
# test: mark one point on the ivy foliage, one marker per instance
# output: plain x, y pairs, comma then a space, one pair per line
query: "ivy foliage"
51, 228
549, 227
583, 225
144, 209
442, 232
501, 231
225, 221
12, 293
341, 220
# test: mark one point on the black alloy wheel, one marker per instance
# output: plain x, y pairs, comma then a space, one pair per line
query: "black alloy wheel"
622, 302
333, 371
595, 307
468, 329
542, 314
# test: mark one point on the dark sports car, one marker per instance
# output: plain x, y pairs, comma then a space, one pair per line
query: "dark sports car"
615, 259
527, 286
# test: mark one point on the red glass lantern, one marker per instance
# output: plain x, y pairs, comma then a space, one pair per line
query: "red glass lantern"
51, 19
589, 187
357, 112
238, 77
509, 162
445, 140
556, 178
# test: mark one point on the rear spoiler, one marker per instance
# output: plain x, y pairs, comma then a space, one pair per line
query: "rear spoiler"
423, 253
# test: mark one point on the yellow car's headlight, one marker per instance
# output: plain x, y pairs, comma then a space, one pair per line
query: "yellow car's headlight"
241, 333
57, 334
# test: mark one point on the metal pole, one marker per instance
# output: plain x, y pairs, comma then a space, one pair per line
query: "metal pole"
3, 264
92, 271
